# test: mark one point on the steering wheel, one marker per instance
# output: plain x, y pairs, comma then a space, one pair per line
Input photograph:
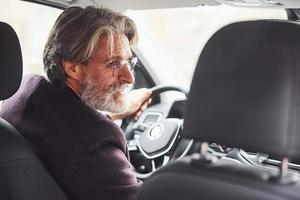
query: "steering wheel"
154, 140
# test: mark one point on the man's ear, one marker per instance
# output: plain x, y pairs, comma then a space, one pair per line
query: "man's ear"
74, 70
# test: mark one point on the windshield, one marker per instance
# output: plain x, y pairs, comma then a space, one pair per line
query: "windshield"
171, 40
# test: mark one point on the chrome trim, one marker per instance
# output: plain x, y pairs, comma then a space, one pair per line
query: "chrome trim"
166, 160
153, 166
277, 162
151, 128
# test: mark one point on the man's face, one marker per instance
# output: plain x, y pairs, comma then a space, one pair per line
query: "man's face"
105, 87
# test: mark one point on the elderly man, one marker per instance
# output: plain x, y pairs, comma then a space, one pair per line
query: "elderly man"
88, 63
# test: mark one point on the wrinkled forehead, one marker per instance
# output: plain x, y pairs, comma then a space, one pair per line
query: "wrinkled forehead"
114, 47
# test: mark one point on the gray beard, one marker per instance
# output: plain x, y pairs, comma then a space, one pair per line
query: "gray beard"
105, 101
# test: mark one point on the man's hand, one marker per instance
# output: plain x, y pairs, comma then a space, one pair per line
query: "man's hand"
139, 100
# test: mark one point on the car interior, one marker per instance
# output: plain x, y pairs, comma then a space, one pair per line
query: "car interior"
258, 87
232, 135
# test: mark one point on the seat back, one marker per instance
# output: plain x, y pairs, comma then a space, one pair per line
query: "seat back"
22, 175
244, 94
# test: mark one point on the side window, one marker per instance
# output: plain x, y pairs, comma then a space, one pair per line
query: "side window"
32, 22
144, 80
142, 77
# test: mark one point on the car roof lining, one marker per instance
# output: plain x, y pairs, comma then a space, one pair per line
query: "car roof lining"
122, 5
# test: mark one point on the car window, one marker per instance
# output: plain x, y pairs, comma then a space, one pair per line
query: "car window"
178, 35
32, 22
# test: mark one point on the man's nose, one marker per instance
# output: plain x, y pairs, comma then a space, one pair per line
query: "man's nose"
126, 75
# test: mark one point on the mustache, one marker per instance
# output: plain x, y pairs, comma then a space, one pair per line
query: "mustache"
124, 87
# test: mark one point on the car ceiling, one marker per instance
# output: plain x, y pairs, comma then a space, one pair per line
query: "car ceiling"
122, 5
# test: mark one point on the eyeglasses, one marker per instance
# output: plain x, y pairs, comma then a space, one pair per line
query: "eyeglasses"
132, 62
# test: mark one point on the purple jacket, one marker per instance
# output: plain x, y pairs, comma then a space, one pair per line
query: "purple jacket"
84, 150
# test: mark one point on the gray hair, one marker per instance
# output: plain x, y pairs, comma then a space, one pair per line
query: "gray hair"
75, 34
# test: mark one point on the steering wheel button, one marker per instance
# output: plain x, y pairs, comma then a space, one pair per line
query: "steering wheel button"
141, 128
132, 143
155, 132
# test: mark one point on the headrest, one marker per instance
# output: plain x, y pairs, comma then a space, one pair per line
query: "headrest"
245, 92
10, 61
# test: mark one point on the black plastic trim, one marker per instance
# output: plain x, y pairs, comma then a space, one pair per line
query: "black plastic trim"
48, 3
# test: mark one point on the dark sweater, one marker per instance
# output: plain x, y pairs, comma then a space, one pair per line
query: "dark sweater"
84, 150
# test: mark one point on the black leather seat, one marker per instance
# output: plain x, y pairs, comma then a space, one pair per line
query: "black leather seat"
22, 175
245, 94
